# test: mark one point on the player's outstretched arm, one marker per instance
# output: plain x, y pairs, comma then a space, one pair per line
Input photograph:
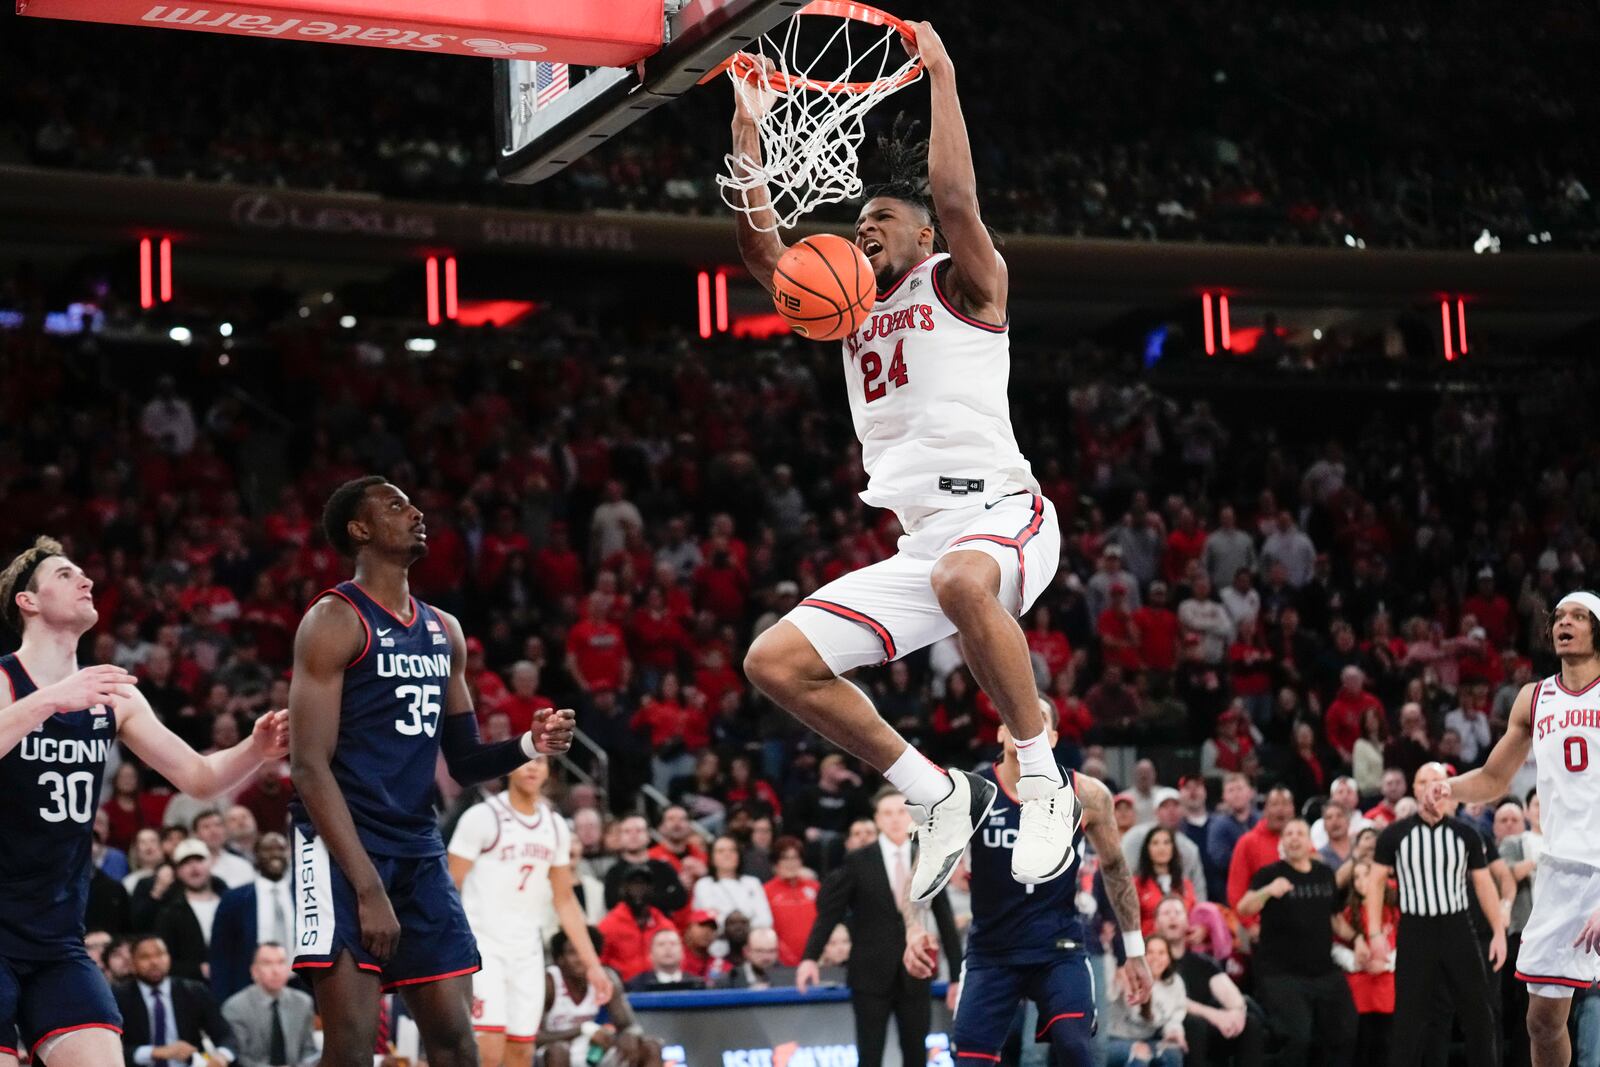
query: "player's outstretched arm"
1100, 827
760, 248
576, 927
330, 637
199, 776
1491, 781
469, 760
101, 684
977, 275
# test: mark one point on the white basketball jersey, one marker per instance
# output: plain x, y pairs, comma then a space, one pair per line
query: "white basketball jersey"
564, 1013
1566, 746
927, 389
507, 893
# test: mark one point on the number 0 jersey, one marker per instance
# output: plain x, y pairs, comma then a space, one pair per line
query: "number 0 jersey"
389, 715
50, 783
927, 389
1566, 747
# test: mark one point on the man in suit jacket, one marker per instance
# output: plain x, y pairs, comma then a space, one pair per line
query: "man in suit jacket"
271, 1022
166, 1018
865, 892
251, 915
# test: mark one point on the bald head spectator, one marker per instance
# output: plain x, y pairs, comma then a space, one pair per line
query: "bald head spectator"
1228, 549
1287, 545
1343, 717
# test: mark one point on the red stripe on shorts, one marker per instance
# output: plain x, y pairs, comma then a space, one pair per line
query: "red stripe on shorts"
853, 615
1018, 543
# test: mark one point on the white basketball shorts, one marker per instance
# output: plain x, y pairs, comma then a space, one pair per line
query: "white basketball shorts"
1565, 894
508, 993
885, 611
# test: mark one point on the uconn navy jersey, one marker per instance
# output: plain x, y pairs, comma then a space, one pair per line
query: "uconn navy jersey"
389, 727
1014, 923
50, 785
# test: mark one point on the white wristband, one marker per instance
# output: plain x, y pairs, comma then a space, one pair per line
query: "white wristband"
528, 748
1133, 944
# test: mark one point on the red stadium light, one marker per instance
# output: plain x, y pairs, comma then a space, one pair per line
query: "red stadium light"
1205, 309
705, 304
1461, 323
433, 290
1227, 326
722, 301
494, 312
146, 287
450, 288
1444, 319
166, 269
764, 326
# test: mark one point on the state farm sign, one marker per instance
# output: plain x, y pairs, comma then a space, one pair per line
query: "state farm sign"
616, 33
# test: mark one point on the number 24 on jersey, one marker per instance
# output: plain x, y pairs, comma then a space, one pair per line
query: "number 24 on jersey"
875, 387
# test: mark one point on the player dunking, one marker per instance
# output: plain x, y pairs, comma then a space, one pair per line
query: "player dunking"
511, 856
379, 690
1559, 719
1029, 942
57, 725
926, 376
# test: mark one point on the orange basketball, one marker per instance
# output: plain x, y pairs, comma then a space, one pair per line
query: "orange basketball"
824, 287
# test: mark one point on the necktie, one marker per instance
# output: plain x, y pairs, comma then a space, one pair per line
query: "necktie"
158, 1023
902, 875
280, 921
278, 1053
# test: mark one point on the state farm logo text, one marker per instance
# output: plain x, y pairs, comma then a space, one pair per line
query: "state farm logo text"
361, 33
261, 211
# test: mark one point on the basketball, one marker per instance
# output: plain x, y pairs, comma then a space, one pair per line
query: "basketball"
823, 287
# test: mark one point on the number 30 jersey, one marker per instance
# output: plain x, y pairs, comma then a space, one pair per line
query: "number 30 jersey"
51, 785
389, 715
927, 388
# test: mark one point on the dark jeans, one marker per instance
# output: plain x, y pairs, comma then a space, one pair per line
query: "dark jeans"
1309, 1013
1439, 974
1208, 1048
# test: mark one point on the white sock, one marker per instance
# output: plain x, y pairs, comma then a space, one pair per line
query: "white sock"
1036, 757
920, 780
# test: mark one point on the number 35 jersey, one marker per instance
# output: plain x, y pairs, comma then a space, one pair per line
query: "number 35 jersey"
927, 388
388, 740
50, 783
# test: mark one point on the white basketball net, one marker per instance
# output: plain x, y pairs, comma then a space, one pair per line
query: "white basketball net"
812, 123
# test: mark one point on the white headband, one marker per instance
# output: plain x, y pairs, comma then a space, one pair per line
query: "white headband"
1582, 597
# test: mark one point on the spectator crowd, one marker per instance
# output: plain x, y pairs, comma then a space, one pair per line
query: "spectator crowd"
1305, 123
1286, 618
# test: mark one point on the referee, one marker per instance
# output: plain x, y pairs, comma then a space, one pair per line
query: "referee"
1438, 860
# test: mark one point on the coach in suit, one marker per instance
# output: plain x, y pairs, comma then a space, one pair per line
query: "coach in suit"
167, 1018
252, 914
271, 1022
865, 892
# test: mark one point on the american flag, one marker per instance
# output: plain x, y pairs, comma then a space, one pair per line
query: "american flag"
549, 82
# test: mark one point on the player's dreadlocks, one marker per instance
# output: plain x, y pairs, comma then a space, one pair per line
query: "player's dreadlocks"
901, 165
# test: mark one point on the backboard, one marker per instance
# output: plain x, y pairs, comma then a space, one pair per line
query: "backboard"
547, 115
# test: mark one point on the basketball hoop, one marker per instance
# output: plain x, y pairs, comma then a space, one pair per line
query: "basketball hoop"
816, 99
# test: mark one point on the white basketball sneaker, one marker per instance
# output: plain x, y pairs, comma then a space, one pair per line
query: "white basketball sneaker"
941, 832
1047, 825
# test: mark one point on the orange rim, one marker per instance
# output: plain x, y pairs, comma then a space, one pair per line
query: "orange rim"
746, 67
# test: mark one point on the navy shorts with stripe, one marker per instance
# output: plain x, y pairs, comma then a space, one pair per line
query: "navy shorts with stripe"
43, 998
1062, 990
435, 940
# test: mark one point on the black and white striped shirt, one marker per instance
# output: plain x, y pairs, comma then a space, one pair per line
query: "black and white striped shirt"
1433, 864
